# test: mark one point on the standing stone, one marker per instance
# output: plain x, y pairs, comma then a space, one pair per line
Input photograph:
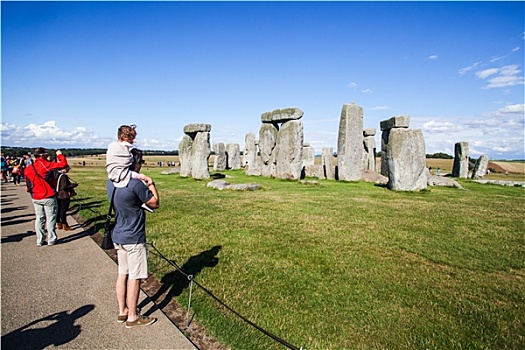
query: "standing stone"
350, 143
387, 125
267, 138
220, 160
314, 170
200, 154
185, 156
406, 160
309, 167
249, 162
460, 167
369, 154
288, 151
480, 169
327, 161
308, 155
233, 152
195, 151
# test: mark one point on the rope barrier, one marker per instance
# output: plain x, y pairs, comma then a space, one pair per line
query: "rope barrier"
192, 280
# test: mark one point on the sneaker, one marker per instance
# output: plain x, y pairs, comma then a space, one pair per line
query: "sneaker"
124, 318
141, 321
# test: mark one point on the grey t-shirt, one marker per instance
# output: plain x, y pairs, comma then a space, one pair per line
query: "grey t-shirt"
130, 225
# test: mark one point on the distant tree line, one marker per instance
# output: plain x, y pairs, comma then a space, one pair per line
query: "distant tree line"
439, 155
77, 152
91, 152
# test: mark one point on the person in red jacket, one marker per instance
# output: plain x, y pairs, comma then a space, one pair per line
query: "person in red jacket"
41, 184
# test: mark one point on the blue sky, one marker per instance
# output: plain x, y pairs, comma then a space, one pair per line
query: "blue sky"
73, 72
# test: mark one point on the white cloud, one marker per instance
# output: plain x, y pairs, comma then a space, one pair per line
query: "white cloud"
49, 134
499, 133
352, 85
365, 91
497, 59
517, 48
434, 126
432, 57
472, 66
505, 76
486, 73
518, 109
379, 108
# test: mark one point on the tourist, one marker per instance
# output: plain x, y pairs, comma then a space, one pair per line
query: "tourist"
129, 238
119, 158
41, 186
4, 168
65, 190
16, 171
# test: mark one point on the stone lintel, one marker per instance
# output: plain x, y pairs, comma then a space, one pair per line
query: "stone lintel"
282, 115
193, 128
401, 121
369, 132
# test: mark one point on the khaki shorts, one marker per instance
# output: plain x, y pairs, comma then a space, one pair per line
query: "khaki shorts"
132, 260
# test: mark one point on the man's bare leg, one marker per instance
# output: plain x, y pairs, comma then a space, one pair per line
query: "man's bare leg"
121, 288
132, 299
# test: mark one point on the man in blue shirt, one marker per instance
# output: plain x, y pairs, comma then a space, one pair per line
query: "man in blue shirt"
129, 238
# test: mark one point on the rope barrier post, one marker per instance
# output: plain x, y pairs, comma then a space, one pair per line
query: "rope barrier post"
190, 278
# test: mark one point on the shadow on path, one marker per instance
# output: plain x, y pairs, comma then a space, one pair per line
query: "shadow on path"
34, 336
18, 237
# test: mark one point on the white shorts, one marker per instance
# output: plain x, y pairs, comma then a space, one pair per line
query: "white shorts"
132, 260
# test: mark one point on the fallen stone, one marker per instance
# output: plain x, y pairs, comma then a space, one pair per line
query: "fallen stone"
372, 176
175, 170
436, 180
502, 182
225, 185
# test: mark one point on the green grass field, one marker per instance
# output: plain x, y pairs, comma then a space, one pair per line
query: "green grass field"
340, 265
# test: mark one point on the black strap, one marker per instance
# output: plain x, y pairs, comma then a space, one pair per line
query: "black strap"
108, 218
37, 174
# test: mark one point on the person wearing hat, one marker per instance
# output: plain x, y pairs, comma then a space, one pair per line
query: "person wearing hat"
41, 184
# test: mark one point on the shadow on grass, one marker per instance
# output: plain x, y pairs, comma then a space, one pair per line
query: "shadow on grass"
175, 282
79, 204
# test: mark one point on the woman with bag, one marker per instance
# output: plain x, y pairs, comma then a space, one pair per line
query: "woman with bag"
65, 190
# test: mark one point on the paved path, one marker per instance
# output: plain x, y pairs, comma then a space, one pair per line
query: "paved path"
63, 295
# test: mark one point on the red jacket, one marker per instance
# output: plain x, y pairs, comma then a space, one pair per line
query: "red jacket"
43, 186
